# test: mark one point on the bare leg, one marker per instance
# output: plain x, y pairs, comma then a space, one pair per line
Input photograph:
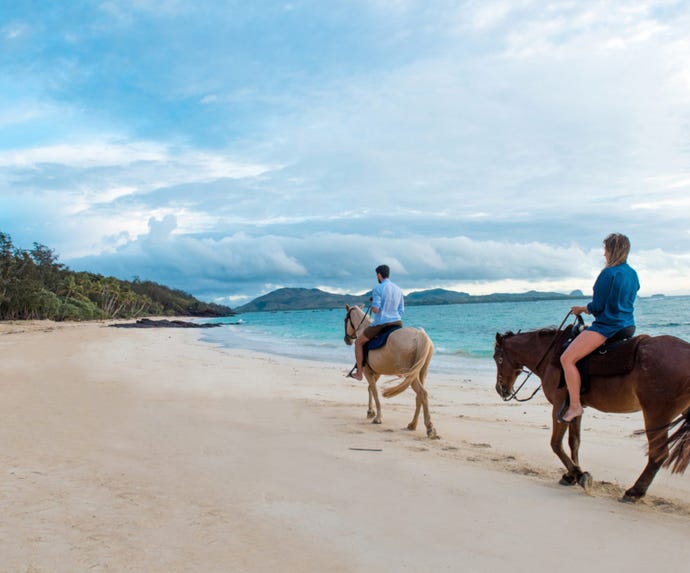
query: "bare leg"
585, 343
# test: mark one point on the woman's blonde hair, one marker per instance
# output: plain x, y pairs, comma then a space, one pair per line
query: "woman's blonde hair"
617, 247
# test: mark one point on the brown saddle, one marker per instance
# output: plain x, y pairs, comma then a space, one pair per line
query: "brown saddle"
610, 359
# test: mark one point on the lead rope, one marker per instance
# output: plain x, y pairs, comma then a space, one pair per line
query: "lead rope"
529, 373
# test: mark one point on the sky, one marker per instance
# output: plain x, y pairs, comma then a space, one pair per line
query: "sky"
229, 148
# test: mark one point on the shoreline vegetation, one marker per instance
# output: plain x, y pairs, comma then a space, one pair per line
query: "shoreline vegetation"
35, 286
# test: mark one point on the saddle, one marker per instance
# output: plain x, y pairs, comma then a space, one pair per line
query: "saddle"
379, 341
615, 357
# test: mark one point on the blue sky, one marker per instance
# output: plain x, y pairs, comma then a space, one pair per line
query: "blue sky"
229, 148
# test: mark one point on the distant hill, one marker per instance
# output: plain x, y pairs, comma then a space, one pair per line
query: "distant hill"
300, 299
311, 299
436, 296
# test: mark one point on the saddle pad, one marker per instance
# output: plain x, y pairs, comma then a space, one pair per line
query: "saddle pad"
615, 359
380, 340
608, 360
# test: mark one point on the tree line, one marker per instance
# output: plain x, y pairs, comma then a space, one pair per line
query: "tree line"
34, 285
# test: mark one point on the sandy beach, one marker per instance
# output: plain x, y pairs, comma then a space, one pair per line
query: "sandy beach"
148, 450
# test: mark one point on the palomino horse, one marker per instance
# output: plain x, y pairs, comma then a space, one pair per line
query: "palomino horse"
659, 385
407, 354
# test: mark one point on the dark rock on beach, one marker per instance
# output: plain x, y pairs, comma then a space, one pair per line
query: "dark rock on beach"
164, 323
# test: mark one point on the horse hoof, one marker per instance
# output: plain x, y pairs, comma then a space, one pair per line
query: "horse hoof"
431, 433
630, 497
375, 421
585, 481
411, 427
567, 479
371, 414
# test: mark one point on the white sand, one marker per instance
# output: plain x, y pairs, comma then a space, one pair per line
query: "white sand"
147, 451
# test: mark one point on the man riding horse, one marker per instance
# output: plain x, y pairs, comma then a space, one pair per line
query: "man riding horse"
387, 305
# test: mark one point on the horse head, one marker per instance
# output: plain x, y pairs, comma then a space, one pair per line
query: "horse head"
354, 318
507, 369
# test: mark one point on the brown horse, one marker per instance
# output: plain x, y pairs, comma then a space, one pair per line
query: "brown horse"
407, 354
659, 385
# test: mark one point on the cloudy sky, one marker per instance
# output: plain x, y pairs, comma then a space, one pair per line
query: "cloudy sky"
232, 147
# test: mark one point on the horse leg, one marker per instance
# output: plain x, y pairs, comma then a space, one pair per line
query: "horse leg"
422, 402
373, 399
430, 430
658, 452
370, 410
583, 478
418, 405
574, 473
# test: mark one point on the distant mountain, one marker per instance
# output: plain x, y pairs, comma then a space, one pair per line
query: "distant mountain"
310, 299
301, 299
436, 296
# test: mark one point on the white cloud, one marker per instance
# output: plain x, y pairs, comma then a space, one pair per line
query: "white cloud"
203, 166
243, 265
487, 15
83, 155
14, 30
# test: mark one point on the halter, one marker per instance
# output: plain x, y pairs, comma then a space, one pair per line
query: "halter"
348, 318
523, 370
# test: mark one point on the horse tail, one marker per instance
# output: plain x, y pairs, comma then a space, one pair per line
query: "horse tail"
679, 444
425, 349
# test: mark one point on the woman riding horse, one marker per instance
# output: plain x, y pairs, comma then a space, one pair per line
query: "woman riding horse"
612, 306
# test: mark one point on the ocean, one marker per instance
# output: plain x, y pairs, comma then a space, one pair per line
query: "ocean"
463, 334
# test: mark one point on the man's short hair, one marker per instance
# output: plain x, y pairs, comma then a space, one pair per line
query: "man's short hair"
384, 271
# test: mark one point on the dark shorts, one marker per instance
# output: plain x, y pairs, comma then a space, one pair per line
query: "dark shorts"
373, 331
610, 332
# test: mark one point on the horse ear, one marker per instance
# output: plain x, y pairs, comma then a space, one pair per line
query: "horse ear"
498, 337
347, 307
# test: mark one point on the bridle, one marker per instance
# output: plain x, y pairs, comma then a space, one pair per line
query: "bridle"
499, 360
348, 319
514, 394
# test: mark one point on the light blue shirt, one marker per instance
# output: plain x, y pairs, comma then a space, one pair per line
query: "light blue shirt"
388, 298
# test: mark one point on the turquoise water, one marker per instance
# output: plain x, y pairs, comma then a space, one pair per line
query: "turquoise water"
463, 334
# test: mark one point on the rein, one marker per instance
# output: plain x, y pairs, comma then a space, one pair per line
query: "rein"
348, 318
514, 394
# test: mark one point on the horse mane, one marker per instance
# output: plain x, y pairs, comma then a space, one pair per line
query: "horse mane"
546, 331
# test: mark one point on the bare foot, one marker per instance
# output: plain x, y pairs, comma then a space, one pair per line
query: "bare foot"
357, 375
571, 414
